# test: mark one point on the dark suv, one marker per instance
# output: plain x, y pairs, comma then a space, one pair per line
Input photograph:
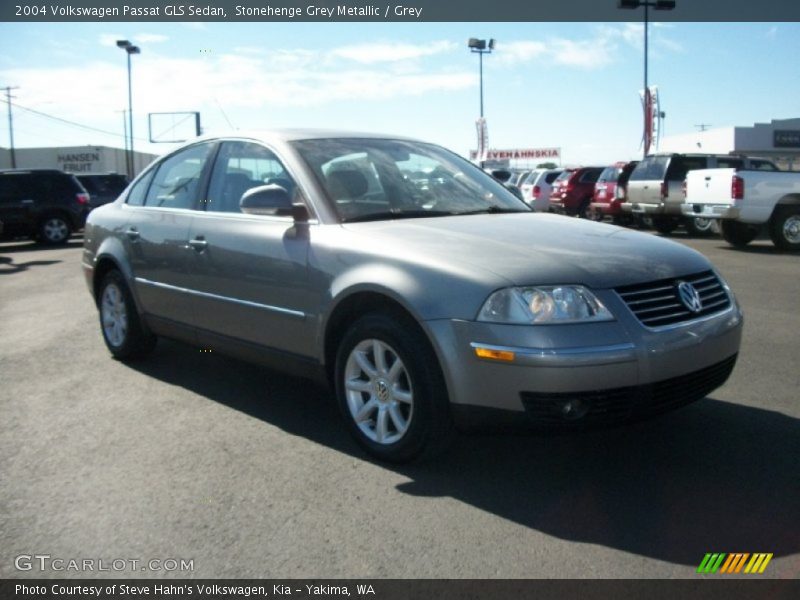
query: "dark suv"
42, 203
103, 187
573, 191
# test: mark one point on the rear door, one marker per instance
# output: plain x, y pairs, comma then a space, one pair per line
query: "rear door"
157, 233
17, 203
644, 184
679, 166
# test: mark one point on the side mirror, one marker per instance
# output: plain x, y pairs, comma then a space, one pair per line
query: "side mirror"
272, 200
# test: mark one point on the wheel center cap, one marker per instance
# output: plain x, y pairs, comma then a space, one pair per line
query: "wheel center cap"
382, 391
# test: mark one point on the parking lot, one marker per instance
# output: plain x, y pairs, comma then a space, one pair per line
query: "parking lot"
192, 456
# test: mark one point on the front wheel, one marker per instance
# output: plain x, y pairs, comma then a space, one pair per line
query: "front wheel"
784, 228
390, 389
119, 321
737, 234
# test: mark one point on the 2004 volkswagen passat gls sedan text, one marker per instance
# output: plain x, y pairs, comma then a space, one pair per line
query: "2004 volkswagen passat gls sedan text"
422, 290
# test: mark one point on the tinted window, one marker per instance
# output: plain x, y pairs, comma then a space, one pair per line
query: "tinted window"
681, 165
609, 175
176, 181
139, 190
239, 167
10, 188
730, 163
551, 177
762, 165
651, 168
564, 175
590, 175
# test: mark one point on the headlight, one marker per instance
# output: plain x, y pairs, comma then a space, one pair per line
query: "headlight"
543, 305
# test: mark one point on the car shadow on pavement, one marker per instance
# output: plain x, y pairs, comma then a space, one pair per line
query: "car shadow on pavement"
712, 477
32, 246
7, 265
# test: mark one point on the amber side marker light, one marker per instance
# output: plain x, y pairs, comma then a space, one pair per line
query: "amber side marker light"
501, 355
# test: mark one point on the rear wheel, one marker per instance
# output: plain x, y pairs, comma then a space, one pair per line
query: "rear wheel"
119, 320
699, 226
54, 230
784, 228
736, 233
390, 389
665, 225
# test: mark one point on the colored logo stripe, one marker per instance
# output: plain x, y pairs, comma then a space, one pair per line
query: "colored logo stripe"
733, 563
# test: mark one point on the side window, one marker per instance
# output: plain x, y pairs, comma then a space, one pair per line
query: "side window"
175, 183
10, 190
763, 165
730, 163
239, 167
138, 191
681, 165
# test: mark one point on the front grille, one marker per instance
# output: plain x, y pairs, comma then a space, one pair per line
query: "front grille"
657, 303
624, 404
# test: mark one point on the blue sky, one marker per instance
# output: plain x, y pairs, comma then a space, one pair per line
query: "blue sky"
570, 85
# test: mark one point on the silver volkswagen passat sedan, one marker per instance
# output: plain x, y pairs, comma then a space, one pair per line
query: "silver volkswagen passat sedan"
417, 286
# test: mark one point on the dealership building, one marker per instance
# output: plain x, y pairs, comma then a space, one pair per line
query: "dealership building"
75, 159
778, 140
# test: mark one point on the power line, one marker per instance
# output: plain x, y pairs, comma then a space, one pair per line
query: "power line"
68, 122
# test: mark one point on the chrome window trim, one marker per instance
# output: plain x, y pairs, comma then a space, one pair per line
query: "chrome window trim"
276, 309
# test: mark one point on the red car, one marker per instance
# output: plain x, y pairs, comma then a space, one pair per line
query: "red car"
573, 190
610, 191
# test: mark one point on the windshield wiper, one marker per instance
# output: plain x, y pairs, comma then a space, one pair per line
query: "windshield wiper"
397, 214
494, 209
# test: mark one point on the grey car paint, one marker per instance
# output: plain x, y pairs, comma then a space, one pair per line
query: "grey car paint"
274, 282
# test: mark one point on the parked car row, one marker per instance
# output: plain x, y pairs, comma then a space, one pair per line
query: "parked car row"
49, 205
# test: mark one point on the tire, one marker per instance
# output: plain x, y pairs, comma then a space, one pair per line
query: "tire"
699, 226
665, 225
54, 230
120, 324
784, 228
391, 390
737, 234
583, 209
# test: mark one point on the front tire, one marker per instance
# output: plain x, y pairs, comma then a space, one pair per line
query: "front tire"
784, 228
119, 320
54, 230
737, 234
391, 390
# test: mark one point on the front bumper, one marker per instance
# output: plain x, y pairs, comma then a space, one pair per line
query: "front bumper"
588, 364
710, 211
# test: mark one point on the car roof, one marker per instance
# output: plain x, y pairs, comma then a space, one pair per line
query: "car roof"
292, 135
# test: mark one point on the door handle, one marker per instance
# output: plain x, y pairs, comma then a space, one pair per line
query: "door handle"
132, 234
198, 244
26, 201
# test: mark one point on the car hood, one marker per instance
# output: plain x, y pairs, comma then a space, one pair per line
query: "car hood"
537, 248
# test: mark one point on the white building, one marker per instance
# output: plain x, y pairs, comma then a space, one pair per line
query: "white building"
778, 140
75, 159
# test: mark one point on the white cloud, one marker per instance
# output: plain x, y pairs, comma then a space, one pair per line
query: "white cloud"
391, 51
150, 38
772, 32
520, 51
110, 39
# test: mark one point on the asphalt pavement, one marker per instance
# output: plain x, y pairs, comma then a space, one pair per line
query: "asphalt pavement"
191, 456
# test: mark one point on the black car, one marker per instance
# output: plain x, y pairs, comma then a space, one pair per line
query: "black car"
103, 187
43, 203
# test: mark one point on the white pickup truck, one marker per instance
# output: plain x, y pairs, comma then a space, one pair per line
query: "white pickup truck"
745, 202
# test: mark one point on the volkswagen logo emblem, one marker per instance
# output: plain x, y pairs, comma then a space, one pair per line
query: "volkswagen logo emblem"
690, 297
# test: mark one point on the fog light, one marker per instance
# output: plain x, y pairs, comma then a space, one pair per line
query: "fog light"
573, 409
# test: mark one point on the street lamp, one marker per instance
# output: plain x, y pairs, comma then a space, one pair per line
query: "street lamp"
658, 5
481, 47
129, 49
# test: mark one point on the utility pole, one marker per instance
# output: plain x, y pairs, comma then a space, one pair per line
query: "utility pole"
8, 89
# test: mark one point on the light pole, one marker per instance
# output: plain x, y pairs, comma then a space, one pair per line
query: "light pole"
481, 47
129, 49
658, 5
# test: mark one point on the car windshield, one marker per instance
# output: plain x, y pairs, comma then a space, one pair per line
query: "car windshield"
377, 179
